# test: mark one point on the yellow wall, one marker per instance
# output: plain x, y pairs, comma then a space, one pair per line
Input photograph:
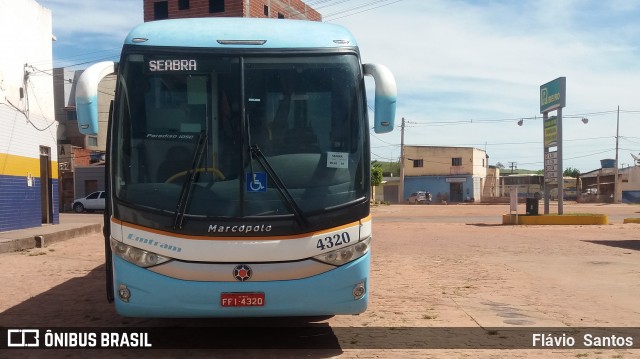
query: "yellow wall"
12, 165
437, 161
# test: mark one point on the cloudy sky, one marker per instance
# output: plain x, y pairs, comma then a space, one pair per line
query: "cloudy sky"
467, 70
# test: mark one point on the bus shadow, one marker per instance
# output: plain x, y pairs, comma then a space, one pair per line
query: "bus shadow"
80, 304
632, 244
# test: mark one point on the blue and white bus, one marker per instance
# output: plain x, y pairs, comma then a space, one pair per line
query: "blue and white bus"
238, 168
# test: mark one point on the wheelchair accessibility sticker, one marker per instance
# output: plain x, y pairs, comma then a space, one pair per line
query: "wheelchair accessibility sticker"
256, 182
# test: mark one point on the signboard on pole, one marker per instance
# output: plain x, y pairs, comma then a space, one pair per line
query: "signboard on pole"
551, 132
553, 95
553, 98
551, 167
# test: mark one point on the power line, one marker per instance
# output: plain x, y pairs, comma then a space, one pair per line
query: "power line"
368, 6
27, 116
329, 4
381, 140
72, 56
512, 119
389, 159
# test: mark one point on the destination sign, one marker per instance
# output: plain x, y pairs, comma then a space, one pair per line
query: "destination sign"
173, 65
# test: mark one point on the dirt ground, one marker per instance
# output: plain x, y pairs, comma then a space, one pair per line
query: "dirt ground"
435, 269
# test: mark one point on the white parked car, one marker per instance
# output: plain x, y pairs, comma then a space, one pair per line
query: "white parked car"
420, 197
90, 203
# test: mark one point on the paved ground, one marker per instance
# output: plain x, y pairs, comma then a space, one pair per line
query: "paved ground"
71, 225
437, 267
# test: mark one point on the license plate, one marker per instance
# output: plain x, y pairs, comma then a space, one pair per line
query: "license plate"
242, 299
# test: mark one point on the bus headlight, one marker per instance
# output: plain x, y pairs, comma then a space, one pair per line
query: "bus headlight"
135, 255
344, 255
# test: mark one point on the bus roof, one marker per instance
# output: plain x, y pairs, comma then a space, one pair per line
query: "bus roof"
248, 33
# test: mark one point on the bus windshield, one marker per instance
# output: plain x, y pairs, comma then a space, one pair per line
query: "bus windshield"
237, 136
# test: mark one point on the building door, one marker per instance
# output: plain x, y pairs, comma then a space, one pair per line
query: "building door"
46, 202
455, 192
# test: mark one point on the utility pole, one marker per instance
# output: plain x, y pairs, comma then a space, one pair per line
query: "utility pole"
401, 187
513, 165
560, 174
615, 169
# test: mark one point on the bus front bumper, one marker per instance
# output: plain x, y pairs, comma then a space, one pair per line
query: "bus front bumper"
155, 295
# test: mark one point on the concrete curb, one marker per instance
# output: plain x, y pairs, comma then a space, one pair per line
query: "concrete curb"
565, 219
46, 236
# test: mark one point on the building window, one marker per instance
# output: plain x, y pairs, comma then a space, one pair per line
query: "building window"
92, 141
418, 163
456, 161
160, 10
216, 6
280, 16
183, 4
266, 10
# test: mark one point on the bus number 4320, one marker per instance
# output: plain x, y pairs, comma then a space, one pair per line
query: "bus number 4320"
335, 240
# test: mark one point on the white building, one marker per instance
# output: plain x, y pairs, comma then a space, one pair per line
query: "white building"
450, 174
28, 153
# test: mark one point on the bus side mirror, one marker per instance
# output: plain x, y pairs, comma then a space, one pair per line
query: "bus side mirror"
87, 96
385, 100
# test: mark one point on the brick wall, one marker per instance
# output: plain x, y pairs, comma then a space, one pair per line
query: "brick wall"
290, 9
197, 8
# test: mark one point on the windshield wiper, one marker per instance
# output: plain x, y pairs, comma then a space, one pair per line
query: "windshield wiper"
187, 186
256, 153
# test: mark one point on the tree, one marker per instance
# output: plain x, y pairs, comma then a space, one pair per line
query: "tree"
499, 165
376, 178
571, 172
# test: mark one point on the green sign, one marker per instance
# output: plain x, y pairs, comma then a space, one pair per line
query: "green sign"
551, 132
553, 95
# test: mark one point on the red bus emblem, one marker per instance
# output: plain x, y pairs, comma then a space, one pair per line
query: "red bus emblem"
242, 272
